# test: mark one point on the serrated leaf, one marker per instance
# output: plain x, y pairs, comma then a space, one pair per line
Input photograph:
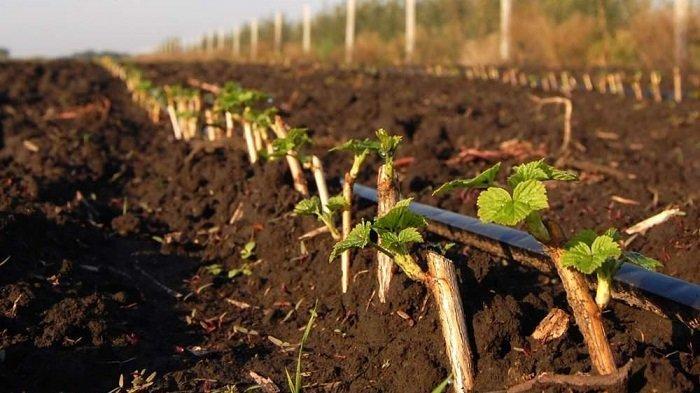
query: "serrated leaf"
586, 236
482, 180
587, 259
336, 203
387, 143
641, 260
613, 233
308, 207
539, 170
358, 147
410, 235
357, 238
247, 250
296, 139
496, 204
399, 217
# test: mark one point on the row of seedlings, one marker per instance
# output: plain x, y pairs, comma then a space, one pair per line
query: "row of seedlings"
396, 228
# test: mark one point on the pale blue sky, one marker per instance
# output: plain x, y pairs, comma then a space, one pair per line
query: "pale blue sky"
62, 27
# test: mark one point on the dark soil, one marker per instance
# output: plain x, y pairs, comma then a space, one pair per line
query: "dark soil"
106, 220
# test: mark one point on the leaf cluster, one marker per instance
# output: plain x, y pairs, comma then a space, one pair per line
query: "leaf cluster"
590, 253
313, 207
524, 196
295, 140
397, 230
387, 145
179, 92
234, 98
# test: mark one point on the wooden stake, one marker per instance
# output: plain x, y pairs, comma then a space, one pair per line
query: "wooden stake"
254, 39
278, 33
237, 43
586, 313
387, 196
349, 30
680, 32
306, 34
445, 289
504, 46
410, 29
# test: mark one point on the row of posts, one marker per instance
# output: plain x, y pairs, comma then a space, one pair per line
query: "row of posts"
216, 40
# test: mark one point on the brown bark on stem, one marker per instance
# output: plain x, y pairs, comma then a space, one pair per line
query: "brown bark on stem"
280, 130
229, 124
250, 143
655, 81
452, 319
586, 313
347, 226
257, 138
209, 119
173, 120
387, 197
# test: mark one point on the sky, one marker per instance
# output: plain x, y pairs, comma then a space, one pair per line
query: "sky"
51, 28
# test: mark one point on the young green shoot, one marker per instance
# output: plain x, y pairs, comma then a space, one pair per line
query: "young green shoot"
521, 201
359, 149
295, 384
392, 234
289, 144
386, 199
248, 250
601, 255
313, 207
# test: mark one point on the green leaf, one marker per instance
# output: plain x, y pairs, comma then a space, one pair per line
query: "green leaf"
308, 207
538, 170
248, 250
586, 236
214, 269
587, 259
442, 387
358, 147
399, 243
613, 233
357, 238
290, 383
244, 270
410, 235
296, 138
387, 144
641, 260
399, 218
336, 203
482, 180
496, 205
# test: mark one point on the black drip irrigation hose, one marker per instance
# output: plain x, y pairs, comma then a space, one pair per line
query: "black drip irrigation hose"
658, 284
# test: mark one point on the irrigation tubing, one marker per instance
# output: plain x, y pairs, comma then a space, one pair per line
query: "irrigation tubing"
658, 284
